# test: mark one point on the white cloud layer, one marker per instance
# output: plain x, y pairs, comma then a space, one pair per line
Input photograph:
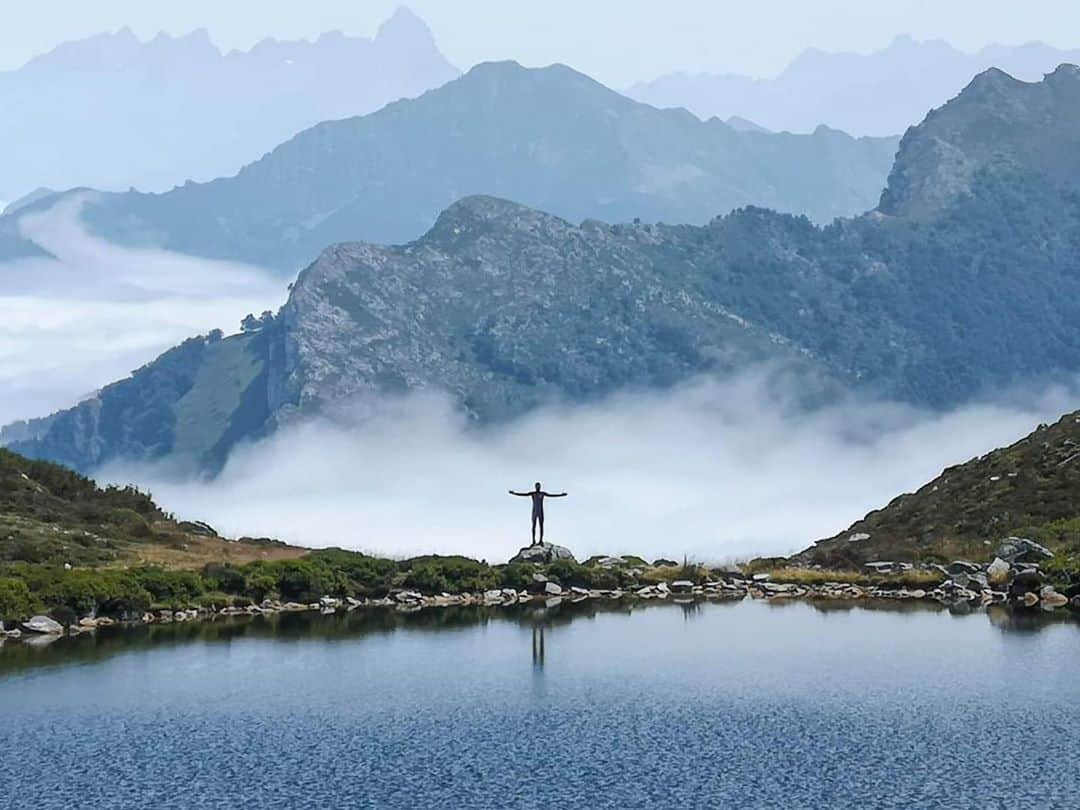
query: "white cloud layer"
97, 311
718, 469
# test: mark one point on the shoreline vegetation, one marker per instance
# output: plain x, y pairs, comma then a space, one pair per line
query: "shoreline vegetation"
75, 556
74, 601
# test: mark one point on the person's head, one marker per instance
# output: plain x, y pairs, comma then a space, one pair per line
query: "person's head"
537, 486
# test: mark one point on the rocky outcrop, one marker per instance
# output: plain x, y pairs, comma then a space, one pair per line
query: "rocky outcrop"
543, 553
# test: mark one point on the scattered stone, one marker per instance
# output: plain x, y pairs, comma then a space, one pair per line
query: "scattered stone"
682, 586
761, 577
610, 562
962, 567
1030, 599
552, 589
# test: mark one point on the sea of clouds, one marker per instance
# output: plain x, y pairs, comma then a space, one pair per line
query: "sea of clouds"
719, 468
94, 312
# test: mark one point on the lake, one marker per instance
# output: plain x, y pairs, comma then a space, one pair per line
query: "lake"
748, 704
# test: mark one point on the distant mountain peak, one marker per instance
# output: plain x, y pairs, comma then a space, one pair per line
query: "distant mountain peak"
1064, 71
404, 27
997, 126
482, 209
990, 80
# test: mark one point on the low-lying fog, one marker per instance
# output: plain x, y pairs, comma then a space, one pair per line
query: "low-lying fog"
716, 469
95, 312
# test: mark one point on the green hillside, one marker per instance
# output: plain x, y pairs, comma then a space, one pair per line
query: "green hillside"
1029, 489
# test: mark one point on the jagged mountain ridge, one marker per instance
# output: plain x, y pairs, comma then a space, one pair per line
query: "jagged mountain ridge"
933, 299
864, 94
550, 138
155, 114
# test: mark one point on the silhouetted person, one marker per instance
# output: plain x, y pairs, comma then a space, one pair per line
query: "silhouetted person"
538, 496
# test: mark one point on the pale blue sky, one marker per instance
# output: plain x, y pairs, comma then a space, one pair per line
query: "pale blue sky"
618, 41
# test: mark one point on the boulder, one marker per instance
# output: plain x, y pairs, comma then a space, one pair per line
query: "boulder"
1013, 549
43, 625
682, 586
543, 553
1051, 598
552, 589
997, 572
1026, 582
962, 567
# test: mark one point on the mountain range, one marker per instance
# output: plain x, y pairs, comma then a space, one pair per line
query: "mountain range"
550, 138
112, 112
880, 93
964, 279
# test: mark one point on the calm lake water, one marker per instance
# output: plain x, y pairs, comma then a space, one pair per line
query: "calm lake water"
745, 704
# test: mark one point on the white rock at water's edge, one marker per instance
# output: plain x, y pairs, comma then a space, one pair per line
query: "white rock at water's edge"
44, 625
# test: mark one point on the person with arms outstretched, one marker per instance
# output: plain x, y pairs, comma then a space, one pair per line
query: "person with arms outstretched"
538, 496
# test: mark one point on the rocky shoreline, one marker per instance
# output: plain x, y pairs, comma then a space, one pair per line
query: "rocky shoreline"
1003, 581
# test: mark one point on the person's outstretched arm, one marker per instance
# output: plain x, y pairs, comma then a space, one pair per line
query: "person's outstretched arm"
555, 494
520, 494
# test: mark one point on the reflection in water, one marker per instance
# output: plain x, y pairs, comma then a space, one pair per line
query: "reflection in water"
539, 619
538, 646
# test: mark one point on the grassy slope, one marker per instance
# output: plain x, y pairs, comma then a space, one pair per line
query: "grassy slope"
1030, 488
51, 515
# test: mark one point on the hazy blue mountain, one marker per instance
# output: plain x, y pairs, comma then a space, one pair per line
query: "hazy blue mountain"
112, 112
966, 278
551, 138
873, 94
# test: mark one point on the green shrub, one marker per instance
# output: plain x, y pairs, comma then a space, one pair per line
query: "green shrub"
224, 578
15, 599
516, 575
450, 575
64, 615
259, 584
164, 585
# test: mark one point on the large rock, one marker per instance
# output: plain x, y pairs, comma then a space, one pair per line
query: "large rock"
43, 625
997, 572
542, 554
1013, 549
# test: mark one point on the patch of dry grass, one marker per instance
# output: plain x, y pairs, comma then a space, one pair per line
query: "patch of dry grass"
193, 552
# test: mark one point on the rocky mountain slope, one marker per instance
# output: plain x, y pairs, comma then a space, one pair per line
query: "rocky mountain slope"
157, 113
550, 138
1030, 488
865, 94
966, 279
